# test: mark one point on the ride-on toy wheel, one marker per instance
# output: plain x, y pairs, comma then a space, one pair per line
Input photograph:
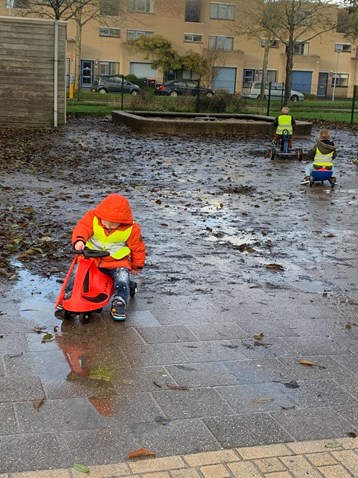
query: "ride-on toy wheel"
132, 288
84, 318
272, 153
67, 315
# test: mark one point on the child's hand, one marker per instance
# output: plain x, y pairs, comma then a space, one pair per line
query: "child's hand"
79, 245
136, 272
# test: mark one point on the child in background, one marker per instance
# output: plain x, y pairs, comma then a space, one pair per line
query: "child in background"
322, 154
282, 122
110, 226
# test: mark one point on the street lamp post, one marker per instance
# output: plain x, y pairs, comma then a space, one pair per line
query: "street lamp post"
338, 51
10, 6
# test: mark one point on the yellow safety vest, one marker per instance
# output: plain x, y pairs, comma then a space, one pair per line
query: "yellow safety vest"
323, 160
284, 122
115, 243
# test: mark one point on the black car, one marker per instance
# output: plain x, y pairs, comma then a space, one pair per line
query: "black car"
182, 87
115, 84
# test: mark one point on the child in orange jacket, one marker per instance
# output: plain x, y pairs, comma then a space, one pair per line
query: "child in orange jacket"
110, 226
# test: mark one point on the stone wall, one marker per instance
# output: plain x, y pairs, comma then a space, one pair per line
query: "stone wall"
203, 124
27, 72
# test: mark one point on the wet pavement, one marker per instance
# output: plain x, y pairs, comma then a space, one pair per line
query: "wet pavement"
244, 330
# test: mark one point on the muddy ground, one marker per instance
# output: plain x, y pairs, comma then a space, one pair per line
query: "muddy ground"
248, 273
213, 211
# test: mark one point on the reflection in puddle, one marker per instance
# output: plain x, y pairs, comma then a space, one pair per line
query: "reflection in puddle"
82, 368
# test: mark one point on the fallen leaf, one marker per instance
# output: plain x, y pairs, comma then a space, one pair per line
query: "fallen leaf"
333, 445
292, 384
259, 336
81, 468
277, 267
259, 343
38, 403
141, 452
307, 362
330, 234
352, 434
39, 330
101, 374
163, 421
263, 400
47, 338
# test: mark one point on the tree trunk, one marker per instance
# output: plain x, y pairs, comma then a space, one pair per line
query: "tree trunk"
289, 67
264, 68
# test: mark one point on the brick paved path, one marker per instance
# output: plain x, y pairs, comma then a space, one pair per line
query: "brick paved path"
311, 459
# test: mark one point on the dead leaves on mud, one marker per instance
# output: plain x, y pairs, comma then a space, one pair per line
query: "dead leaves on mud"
24, 235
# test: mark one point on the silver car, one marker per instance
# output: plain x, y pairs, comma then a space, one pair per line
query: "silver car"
277, 91
115, 84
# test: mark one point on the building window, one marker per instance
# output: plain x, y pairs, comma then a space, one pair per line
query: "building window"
272, 43
192, 10
300, 48
109, 32
343, 47
108, 68
271, 76
21, 4
140, 6
134, 34
340, 79
303, 18
221, 43
109, 8
222, 11
193, 37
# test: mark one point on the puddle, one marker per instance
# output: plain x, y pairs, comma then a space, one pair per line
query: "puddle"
76, 360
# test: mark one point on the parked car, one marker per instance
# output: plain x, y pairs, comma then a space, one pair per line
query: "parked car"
277, 91
115, 84
181, 88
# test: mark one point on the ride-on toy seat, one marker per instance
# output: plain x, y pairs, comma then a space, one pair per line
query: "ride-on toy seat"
92, 288
322, 174
283, 149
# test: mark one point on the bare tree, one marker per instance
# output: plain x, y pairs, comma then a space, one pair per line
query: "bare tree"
348, 20
81, 12
290, 22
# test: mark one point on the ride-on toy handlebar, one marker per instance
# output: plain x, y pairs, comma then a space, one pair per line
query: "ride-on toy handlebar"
91, 253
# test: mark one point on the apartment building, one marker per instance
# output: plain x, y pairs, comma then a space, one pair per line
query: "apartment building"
324, 65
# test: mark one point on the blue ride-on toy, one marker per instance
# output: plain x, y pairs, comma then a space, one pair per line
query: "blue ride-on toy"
321, 175
283, 149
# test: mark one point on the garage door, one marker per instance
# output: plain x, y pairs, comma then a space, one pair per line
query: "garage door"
302, 81
143, 70
225, 79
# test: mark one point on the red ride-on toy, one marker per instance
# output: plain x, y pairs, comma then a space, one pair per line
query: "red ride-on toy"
92, 288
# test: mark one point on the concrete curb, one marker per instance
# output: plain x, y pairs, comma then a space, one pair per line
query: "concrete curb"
331, 458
